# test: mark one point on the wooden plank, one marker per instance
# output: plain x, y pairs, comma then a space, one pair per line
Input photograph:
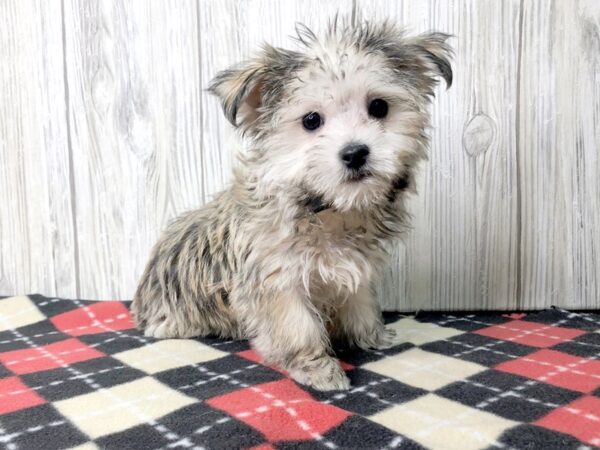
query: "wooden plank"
148, 143
36, 228
462, 253
230, 31
559, 138
133, 77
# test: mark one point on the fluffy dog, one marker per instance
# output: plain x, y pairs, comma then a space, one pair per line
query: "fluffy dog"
289, 254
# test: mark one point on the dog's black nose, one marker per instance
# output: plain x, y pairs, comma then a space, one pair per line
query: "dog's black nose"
354, 155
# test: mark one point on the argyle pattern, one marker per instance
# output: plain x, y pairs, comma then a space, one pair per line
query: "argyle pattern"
77, 374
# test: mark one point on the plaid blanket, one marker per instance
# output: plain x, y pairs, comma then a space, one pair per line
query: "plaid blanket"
77, 374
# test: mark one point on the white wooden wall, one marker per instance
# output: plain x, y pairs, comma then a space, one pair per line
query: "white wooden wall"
106, 133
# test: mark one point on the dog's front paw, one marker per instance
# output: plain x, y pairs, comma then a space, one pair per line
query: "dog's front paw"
324, 374
386, 338
379, 339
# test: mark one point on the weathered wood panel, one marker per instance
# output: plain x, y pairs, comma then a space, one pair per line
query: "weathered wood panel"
559, 140
106, 133
462, 251
36, 228
134, 102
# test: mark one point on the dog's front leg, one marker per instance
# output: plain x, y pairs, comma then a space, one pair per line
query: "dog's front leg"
289, 331
360, 322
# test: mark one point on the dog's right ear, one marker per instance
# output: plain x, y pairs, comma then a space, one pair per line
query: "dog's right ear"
239, 90
434, 49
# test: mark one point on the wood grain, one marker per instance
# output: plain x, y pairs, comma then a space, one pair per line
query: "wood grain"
107, 133
133, 76
36, 228
559, 139
462, 251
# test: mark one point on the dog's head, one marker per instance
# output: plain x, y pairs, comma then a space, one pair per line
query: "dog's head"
344, 119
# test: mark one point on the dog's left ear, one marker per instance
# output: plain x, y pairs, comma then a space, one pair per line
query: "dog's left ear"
239, 90
436, 53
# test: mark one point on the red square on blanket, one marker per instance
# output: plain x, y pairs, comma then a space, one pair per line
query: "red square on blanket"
557, 368
97, 318
281, 411
530, 333
47, 357
580, 419
14, 395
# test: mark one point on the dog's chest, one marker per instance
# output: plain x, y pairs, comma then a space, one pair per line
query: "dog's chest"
338, 248
329, 230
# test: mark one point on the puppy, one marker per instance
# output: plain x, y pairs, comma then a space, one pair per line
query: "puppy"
289, 254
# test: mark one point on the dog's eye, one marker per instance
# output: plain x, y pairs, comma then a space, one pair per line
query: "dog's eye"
311, 121
378, 108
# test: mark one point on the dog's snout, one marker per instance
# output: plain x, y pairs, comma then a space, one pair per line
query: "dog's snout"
354, 155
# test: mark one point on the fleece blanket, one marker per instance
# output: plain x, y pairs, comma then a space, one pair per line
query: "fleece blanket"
76, 374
